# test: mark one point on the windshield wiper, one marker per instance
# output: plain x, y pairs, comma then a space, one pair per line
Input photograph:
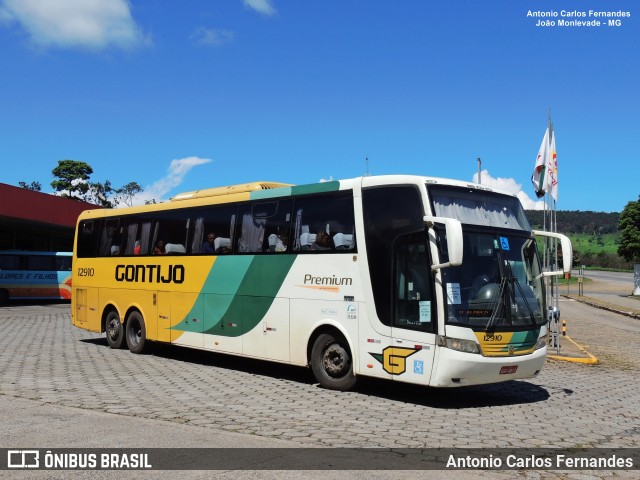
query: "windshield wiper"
507, 295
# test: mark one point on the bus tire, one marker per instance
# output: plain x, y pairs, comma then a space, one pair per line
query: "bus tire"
4, 296
136, 333
114, 330
331, 362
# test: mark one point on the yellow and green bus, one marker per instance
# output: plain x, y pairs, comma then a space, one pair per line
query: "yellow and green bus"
414, 279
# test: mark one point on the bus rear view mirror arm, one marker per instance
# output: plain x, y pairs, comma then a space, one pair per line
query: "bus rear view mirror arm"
567, 251
453, 230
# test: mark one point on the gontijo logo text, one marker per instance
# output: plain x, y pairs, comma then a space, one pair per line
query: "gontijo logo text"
150, 273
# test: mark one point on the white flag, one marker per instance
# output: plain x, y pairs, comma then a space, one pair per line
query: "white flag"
539, 177
552, 169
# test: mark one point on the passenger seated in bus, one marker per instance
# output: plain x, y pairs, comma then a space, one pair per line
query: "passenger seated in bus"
323, 242
209, 246
159, 250
136, 247
115, 250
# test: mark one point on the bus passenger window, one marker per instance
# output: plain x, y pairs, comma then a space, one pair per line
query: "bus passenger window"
213, 230
324, 223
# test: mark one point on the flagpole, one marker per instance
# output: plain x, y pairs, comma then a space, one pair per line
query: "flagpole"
545, 183
553, 227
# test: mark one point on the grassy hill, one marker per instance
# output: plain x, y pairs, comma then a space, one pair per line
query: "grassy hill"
594, 236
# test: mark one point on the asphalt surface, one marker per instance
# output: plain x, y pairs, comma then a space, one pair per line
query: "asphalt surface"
64, 387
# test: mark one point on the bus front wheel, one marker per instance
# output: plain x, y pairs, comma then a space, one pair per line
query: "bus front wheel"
136, 333
114, 330
331, 362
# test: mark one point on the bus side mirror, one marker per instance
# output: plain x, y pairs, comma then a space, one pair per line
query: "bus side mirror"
567, 251
453, 230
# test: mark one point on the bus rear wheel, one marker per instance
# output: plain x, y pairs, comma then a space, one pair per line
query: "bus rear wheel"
136, 333
331, 362
114, 330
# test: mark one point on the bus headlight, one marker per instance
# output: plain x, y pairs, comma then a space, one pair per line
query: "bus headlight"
466, 346
542, 342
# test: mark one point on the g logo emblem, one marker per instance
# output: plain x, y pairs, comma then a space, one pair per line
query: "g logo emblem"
394, 359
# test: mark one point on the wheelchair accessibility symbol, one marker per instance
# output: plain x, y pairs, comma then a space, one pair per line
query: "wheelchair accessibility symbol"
504, 243
418, 367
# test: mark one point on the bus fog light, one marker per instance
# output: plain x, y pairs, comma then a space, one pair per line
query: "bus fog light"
466, 346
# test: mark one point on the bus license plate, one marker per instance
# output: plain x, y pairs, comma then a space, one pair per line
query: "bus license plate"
508, 369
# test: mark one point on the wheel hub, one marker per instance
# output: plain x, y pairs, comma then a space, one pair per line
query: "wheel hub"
334, 360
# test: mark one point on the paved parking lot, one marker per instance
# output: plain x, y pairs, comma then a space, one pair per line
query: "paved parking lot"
47, 361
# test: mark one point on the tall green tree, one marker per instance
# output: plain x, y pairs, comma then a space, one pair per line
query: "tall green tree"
72, 178
99, 194
126, 193
629, 227
74, 182
33, 186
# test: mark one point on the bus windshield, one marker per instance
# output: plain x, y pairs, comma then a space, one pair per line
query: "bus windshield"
498, 285
478, 207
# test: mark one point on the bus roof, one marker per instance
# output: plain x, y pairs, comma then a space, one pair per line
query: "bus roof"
217, 191
265, 190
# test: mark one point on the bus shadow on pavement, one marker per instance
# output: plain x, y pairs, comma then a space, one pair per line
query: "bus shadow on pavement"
513, 392
224, 361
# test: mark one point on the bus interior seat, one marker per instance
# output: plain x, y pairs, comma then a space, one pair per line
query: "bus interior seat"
220, 242
306, 239
174, 248
343, 241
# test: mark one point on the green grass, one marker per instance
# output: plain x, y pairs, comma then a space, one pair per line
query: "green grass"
586, 243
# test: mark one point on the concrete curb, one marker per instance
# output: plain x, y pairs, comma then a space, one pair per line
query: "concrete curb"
593, 302
588, 359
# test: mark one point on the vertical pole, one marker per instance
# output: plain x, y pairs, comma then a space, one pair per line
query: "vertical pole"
479, 171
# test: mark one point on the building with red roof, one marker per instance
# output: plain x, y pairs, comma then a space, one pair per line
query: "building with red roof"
31, 220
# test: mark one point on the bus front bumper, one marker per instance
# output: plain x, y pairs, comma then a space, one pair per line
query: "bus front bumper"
457, 369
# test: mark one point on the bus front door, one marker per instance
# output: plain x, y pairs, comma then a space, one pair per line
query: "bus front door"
411, 353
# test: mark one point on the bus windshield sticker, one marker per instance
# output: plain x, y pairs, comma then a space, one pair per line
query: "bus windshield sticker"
504, 243
425, 311
453, 294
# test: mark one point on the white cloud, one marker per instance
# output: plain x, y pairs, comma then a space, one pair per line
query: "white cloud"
330, 179
511, 186
178, 169
211, 36
261, 6
89, 24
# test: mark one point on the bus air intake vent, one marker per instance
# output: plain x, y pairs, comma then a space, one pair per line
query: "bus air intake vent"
232, 189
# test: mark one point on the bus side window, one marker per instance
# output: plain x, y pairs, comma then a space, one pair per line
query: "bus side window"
324, 223
63, 263
278, 224
170, 233
88, 238
9, 262
110, 238
251, 230
213, 230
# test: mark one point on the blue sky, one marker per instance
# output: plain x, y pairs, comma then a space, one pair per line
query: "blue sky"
186, 95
